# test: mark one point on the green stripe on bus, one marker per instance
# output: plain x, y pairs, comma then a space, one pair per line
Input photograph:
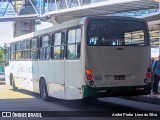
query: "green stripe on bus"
115, 91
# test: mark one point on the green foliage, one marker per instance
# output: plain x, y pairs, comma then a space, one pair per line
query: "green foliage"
1, 69
1, 54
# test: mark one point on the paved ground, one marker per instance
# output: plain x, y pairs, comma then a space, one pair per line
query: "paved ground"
22, 100
6, 92
152, 98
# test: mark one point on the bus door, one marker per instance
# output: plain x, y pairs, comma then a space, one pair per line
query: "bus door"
73, 64
56, 66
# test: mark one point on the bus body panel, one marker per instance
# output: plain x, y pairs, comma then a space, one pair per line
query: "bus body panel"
107, 62
22, 74
73, 79
118, 61
53, 73
73, 72
56, 90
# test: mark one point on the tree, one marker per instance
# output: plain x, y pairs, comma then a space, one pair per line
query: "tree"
1, 54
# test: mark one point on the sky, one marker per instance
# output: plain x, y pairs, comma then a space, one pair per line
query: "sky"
6, 30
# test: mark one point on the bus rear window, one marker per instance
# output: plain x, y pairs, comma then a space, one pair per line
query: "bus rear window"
117, 33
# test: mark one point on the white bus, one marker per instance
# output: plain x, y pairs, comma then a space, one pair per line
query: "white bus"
81, 58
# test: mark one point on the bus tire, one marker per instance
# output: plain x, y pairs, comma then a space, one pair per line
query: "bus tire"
43, 90
11, 79
12, 82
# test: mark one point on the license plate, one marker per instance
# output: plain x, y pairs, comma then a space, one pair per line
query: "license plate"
119, 77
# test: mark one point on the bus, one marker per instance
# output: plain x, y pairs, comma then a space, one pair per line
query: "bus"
88, 57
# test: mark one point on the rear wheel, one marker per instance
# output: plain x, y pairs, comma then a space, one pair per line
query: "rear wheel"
43, 91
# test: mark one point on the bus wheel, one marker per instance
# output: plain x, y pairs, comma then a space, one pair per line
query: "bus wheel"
11, 79
43, 91
12, 83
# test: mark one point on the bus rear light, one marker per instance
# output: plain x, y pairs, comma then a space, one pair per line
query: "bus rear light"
88, 72
148, 75
89, 77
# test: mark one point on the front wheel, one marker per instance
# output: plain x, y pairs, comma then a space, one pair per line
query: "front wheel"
12, 82
43, 91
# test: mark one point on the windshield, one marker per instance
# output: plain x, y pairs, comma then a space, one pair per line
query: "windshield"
116, 33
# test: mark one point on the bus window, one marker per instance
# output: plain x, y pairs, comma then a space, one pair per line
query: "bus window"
34, 43
42, 54
135, 37
27, 46
12, 53
18, 50
73, 44
116, 33
78, 35
26, 54
25, 50
18, 46
57, 49
34, 49
71, 36
34, 54
22, 44
6, 52
45, 41
45, 48
57, 39
18, 55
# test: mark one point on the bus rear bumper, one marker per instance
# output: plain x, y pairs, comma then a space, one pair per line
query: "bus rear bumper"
116, 91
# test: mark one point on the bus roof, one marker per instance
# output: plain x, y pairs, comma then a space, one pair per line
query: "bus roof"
71, 23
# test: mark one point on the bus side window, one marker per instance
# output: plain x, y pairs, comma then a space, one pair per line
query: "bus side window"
45, 47
6, 52
34, 48
73, 44
12, 51
18, 50
57, 48
25, 50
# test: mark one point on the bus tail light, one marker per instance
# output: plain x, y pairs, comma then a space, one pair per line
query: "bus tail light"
148, 75
89, 77
88, 72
